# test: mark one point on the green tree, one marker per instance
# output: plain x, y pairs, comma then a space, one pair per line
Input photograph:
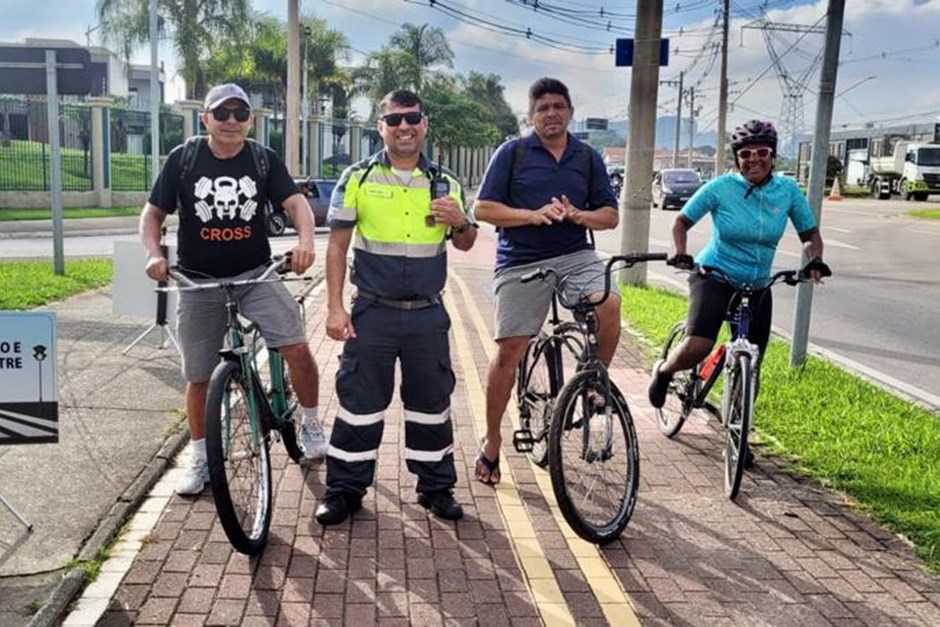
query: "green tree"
488, 90
191, 24
455, 119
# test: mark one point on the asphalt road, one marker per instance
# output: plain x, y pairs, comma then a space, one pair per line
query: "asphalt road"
879, 310
882, 306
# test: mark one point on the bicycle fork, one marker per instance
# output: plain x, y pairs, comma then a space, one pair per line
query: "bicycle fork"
603, 422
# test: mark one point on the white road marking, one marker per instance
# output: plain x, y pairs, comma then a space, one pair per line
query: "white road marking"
837, 244
835, 228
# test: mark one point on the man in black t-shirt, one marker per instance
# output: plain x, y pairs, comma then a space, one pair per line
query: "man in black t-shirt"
220, 186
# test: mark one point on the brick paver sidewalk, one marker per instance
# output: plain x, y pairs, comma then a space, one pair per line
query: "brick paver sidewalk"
786, 553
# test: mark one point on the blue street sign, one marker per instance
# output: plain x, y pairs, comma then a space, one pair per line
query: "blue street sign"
624, 53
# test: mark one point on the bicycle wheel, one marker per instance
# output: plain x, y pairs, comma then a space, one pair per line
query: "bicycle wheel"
239, 465
594, 460
536, 388
682, 390
284, 406
737, 423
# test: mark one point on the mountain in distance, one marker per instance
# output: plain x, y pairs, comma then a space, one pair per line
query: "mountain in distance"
666, 132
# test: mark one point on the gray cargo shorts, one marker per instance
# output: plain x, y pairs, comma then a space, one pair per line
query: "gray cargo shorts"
200, 321
521, 308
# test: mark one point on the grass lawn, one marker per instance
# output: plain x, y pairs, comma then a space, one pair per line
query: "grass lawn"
845, 432
931, 214
45, 213
29, 284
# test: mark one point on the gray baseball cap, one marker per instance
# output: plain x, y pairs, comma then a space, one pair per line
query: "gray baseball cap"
220, 93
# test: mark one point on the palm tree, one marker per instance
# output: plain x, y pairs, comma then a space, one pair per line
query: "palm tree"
427, 45
192, 24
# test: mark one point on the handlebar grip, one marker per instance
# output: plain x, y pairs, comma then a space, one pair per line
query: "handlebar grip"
817, 265
531, 276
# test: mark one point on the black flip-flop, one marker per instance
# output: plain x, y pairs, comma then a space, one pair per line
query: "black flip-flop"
491, 467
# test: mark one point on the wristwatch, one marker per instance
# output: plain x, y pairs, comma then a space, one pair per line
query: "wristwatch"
465, 225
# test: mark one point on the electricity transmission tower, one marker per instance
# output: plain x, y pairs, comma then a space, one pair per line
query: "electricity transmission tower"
793, 84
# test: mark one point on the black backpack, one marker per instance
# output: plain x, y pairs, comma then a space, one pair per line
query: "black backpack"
517, 160
521, 150
190, 155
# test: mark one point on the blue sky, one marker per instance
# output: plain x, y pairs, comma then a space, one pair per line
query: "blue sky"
888, 63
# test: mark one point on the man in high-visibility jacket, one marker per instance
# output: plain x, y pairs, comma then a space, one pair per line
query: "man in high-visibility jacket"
403, 209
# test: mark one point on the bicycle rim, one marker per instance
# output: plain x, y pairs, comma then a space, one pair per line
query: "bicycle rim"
239, 464
737, 424
593, 460
682, 390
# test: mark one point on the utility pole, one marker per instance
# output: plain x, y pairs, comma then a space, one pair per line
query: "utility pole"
675, 150
305, 107
154, 96
722, 92
635, 196
817, 171
292, 120
691, 122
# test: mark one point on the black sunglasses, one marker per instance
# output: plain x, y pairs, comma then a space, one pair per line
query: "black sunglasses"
394, 119
221, 114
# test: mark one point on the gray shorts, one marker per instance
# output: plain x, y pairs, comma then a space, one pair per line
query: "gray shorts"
200, 321
521, 307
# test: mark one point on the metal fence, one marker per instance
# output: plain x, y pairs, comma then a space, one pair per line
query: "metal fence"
131, 162
24, 146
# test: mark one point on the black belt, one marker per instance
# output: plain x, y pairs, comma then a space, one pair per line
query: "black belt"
420, 303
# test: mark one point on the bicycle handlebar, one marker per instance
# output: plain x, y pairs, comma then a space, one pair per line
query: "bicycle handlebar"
279, 264
790, 277
628, 260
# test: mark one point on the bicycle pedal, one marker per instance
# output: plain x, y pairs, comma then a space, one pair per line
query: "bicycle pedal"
523, 441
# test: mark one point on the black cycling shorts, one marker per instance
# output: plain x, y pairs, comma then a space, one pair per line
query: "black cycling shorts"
709, 303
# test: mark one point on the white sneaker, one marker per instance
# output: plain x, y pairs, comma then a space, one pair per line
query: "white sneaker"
194, 479
313, 441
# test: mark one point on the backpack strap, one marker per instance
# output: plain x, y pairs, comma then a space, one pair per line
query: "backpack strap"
189, 155
260, 156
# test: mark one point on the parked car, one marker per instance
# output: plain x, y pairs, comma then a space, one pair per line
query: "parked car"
317, 191
673, 187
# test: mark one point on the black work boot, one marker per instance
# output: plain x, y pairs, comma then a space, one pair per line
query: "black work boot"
442, 504
335, 509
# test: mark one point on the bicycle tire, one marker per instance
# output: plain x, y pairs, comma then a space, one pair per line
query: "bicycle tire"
288, 425
682, 390
568, 426
243, 504
737, 423
536, 392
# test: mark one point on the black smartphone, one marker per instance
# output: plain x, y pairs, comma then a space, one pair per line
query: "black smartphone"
440, 187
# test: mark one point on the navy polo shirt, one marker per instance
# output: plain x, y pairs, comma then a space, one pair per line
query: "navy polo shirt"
538, 180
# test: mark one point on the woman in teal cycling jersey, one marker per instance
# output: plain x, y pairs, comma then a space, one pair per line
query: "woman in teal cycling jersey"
749, 210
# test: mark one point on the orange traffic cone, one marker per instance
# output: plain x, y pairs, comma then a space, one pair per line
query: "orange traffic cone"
836, 193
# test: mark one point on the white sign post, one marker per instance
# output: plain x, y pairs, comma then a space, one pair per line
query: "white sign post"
133, 293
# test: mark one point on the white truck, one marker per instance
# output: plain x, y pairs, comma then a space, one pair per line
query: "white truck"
913, 171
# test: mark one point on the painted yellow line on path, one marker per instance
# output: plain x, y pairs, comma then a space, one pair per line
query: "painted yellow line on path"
600, 577
537, 572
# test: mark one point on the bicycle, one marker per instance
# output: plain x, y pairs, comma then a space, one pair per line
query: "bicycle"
243, 416
691, 388
576, 422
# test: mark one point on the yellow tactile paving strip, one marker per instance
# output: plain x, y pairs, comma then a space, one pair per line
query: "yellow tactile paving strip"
543, 585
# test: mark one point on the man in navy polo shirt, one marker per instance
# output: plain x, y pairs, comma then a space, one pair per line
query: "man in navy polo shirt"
543, 195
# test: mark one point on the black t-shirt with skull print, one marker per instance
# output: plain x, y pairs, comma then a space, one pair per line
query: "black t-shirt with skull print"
221, 223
